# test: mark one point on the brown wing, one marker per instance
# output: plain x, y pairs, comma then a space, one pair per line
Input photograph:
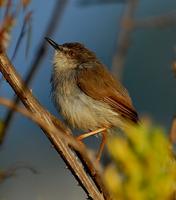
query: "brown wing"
99, 84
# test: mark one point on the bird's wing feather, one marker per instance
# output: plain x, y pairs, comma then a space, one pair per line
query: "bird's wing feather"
99, 84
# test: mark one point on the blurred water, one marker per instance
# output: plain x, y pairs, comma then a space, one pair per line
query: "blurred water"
147, 75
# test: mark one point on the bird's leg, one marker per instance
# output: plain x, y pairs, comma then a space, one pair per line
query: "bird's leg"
85, 135
102, 145
103, 142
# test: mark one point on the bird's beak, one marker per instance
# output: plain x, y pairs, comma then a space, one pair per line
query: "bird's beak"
53, 44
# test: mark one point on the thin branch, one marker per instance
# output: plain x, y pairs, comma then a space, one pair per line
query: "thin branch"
11, 171
129, 24
39, 55
124, 37
163, 21
172, 134
174, 68
22, 33
59, 136
10, 104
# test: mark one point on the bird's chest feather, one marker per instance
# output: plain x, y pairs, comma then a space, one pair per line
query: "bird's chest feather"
79, 110
73, 104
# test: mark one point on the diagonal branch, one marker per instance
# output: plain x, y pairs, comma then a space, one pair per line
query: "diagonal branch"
11, 171
39, 55
124, 38
129, 24
60, 137
172, 133
163, 21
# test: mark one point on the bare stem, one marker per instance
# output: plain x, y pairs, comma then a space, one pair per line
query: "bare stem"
162, 21
57, 133
11, 171
172, 134
39, 55
124, 37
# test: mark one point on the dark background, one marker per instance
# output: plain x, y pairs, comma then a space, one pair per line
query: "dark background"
147, 74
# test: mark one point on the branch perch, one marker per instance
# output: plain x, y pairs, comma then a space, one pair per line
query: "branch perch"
58, 134
39, 55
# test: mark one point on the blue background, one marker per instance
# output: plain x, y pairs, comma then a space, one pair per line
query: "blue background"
147, 74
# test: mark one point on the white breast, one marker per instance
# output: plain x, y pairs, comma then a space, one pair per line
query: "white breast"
80, 110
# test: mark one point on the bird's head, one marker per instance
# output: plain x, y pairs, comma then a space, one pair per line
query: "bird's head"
71, 55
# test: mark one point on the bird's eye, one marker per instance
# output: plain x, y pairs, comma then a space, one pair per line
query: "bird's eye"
71, 53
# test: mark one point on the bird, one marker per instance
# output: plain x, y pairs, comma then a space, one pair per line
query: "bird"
86, 94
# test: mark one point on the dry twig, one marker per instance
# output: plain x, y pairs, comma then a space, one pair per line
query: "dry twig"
124, 37
59, 136
172, 133
11, 171
128, 25
162, 21
39, 55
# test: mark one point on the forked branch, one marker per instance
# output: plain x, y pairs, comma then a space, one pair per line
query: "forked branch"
39, 55
60, 136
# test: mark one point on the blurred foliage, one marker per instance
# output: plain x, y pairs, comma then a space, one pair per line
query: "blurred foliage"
6, 26
10, 12
2, 2
143, 167
25, 3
